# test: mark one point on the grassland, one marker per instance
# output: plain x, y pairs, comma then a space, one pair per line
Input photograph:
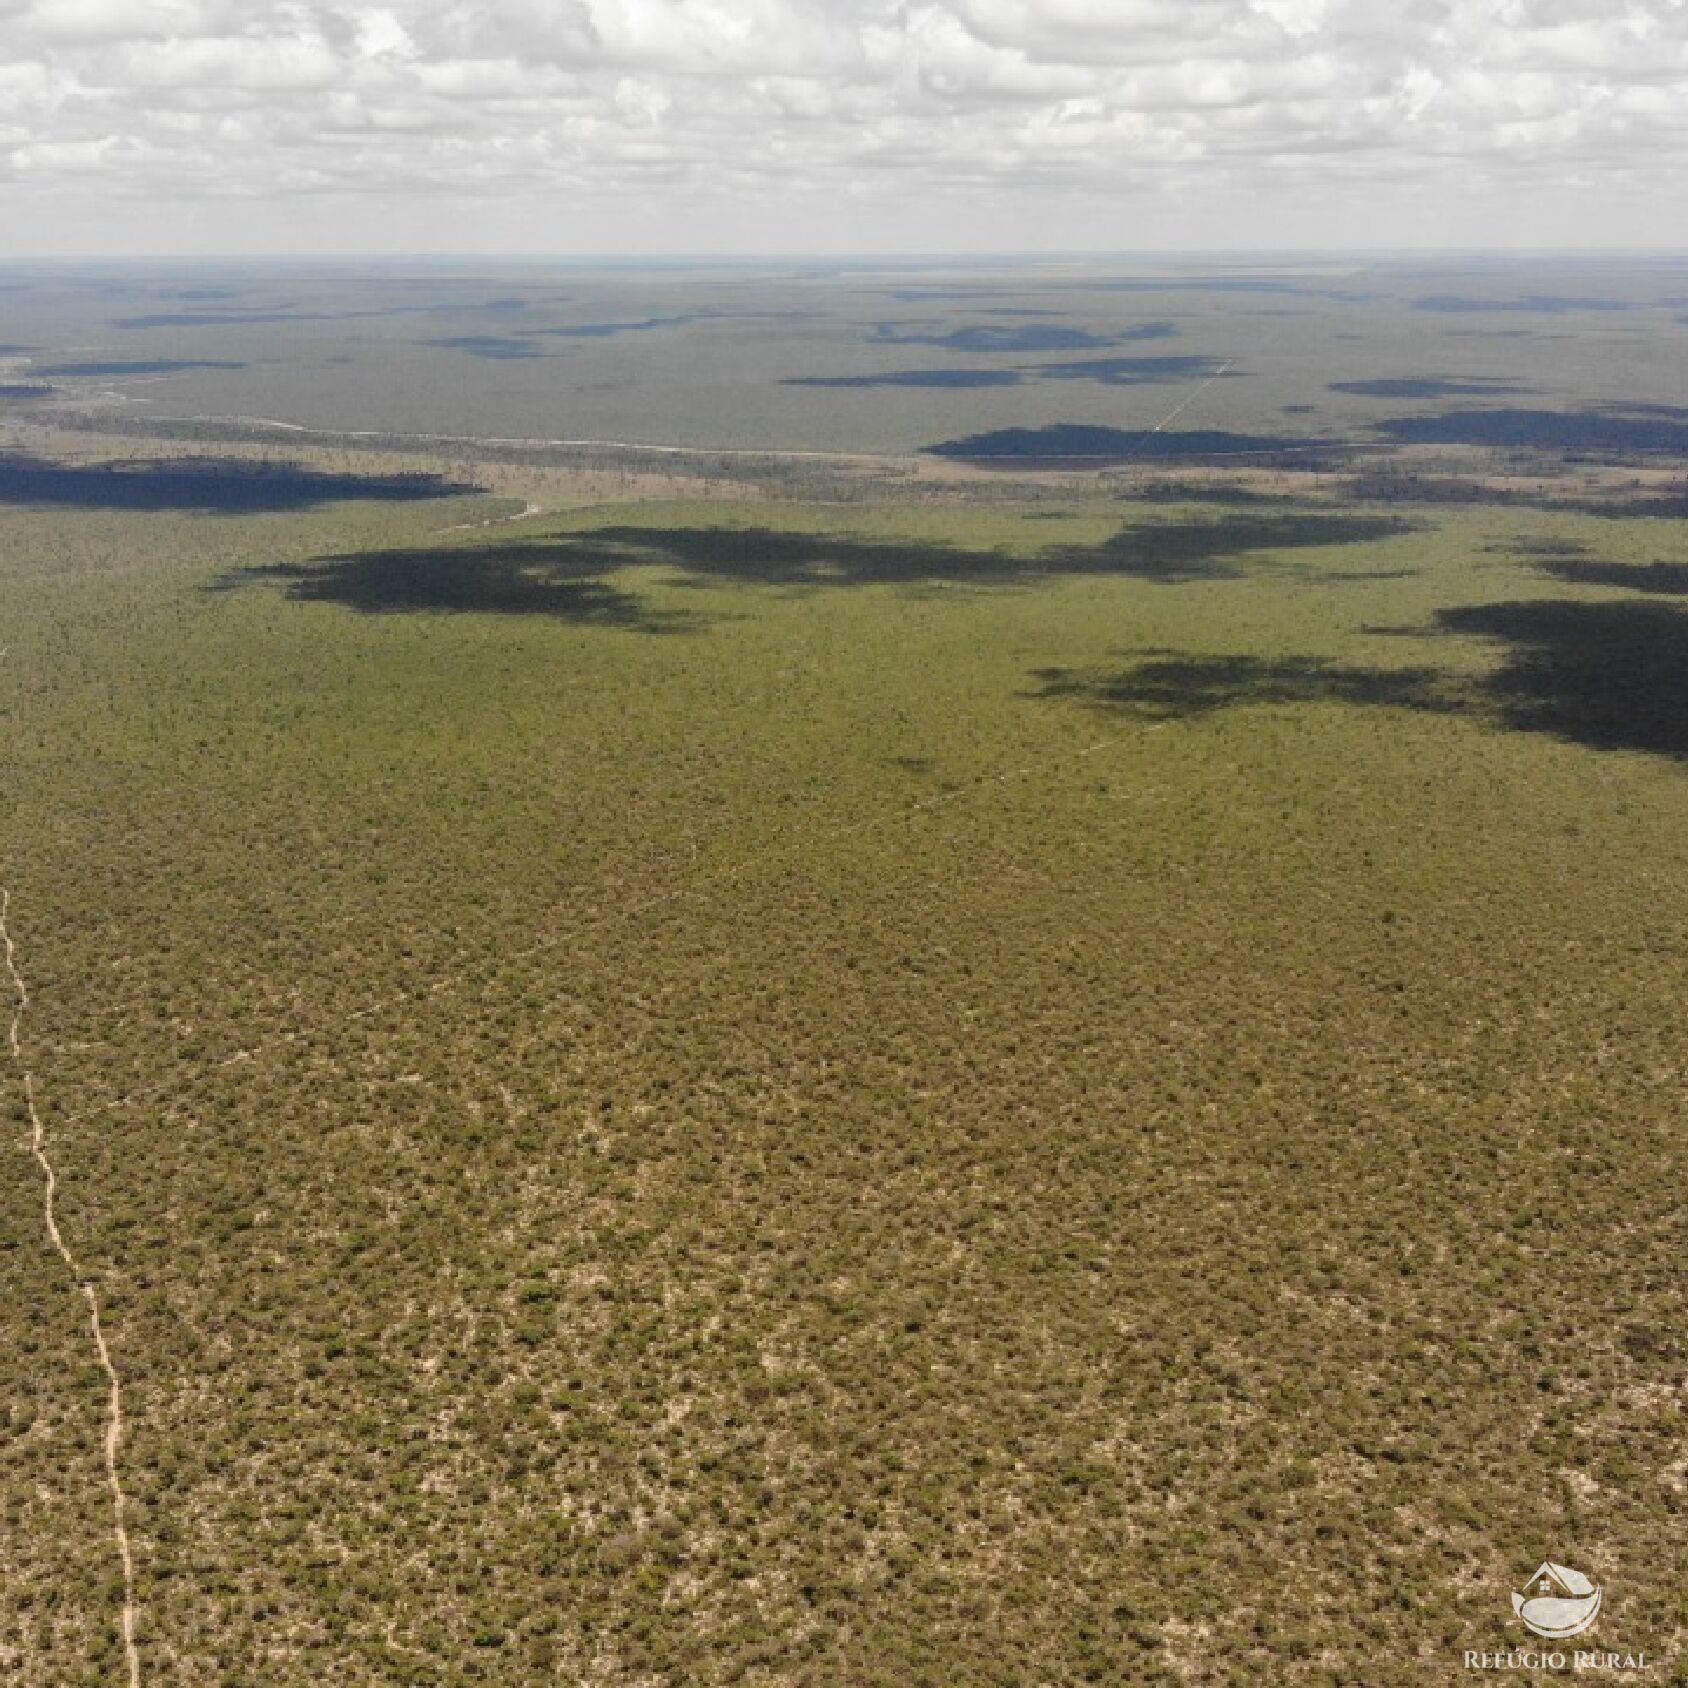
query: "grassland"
1023, 1086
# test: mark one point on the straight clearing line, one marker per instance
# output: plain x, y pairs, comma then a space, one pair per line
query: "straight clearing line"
524, 442
620, 911
892, 459
1184, 404
50, 1182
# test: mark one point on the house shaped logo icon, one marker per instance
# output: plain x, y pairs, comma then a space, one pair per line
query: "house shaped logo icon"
1559, 1602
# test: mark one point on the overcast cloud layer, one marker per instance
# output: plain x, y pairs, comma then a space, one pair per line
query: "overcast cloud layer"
797, 125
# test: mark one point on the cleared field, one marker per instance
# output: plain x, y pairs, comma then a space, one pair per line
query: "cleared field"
1026, 1087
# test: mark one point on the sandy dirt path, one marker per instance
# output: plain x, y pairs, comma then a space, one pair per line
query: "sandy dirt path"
113, 1444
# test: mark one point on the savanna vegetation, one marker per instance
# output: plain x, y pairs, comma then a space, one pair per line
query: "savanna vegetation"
821, 1073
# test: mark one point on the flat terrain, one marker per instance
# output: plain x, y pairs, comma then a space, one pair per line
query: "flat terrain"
839, 1073
868, 358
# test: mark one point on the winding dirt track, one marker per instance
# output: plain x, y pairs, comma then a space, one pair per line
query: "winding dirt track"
50, 1183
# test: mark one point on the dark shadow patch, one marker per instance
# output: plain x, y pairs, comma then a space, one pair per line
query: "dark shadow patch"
1394, 486
1580, 430
1669, 412
1177, 552
1398, 486
10, 390
224, 319
225, 486
11, 349
1427, 387
1082, 445
137, 366
608, 330
1670, 507
235, 316
489, 346
1660, 578
1543, 304
1204, 492
912, 378
1535, 549
1130, 372
1177, 688
571, 575
1609, 676
1282, 286
1355, 577
1030, 337
919, 295
1112, 372
561, 581
1613, 676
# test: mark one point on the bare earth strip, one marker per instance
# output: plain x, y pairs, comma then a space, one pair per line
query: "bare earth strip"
526, 515
50, 1181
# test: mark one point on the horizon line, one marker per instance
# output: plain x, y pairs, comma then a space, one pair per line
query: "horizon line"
858, 258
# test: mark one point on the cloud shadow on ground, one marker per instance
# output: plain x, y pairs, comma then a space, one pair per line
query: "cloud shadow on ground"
1609, 676
221, 485
574, 576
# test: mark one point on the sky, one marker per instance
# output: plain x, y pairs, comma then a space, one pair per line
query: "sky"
751, 127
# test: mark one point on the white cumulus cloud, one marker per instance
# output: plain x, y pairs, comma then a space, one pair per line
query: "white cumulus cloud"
710, 122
